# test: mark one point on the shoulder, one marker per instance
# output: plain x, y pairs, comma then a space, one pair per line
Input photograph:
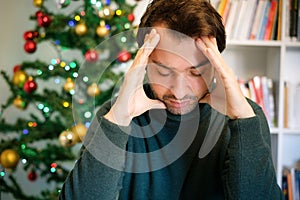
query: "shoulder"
104, 108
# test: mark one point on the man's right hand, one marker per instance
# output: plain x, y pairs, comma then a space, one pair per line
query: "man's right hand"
132, 100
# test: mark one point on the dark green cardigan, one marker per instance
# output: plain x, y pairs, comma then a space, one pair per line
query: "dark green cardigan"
239, 166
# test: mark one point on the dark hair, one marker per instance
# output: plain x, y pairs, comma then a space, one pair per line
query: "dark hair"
193, 18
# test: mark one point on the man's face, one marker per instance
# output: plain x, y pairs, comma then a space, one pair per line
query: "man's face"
178, 73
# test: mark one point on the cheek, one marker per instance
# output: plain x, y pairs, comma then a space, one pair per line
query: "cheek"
198, 86
159, 90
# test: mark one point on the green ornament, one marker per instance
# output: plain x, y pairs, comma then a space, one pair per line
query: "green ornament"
63, 3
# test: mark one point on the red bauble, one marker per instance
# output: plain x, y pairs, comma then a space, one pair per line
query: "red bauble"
39, 14
30, 86
44, 20
124, 56
91, 56
28, 35
35, 34
131, 17
32, 176
30, 46
16, 68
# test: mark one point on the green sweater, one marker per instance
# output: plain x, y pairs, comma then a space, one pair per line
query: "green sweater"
115, 165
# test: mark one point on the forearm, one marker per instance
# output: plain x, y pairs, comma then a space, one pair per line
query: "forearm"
250, 172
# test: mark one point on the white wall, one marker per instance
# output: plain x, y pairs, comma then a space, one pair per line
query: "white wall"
14, 22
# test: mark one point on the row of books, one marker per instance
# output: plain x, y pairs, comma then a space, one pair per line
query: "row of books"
293, 20
261, 90
291, 183
291, 104
251, 19
259, 19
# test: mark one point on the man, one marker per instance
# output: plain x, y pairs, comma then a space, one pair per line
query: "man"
188, 133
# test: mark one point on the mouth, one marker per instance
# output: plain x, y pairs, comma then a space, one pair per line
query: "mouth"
178, 104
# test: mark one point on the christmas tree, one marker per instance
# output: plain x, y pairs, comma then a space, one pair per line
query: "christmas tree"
62, 94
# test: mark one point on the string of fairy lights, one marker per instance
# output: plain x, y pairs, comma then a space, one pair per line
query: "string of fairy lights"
25, 82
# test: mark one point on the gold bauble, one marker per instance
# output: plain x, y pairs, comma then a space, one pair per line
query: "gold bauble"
38, 3
19, 78
80, 130
93, 90
69, 85
9, 158
80, 29
68, 138
102, 31
19, 102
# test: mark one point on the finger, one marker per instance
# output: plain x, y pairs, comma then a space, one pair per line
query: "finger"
210, 42
140, 62
210, 50
146, 37
149, 45
156, 104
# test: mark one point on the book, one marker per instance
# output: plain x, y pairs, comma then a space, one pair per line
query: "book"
298, 22
258, 90
295, 184
240, 19
248, 19
231, 19
291, 108
290, 186
279, 20
226, 11
268, 99
274, 31
293, 19
215, 3
221, 7
286, 105
284, 187
287, 20
271, 19
257, 19
291, 183
263, 22
297, 177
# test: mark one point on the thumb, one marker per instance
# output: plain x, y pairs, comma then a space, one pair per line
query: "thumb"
156, 104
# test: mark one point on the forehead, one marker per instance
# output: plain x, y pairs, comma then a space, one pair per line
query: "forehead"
176, 48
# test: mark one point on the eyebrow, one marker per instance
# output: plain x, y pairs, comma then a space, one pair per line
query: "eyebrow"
204, 62
167, 67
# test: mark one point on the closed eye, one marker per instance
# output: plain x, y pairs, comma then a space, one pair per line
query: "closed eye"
164, 73
162, 69
195, 72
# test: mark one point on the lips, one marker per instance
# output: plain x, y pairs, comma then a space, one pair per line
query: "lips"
179, 104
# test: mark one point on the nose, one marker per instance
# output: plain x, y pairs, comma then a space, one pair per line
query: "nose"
179, 86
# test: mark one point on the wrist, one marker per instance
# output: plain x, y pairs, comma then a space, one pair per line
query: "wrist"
247, 112
117, 117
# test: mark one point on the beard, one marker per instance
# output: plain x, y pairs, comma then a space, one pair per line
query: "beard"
178, 106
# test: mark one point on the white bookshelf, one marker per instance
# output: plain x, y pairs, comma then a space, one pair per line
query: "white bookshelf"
279, 60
